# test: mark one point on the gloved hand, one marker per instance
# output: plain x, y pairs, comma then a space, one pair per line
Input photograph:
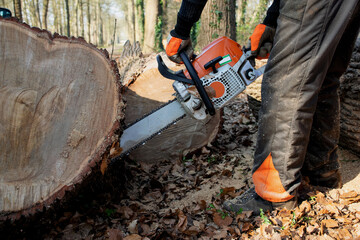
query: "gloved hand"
261, 41
176, 44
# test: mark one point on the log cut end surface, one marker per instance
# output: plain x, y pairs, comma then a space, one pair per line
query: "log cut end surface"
59, 109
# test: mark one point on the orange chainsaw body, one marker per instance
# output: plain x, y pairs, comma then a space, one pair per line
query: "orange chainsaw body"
224, 47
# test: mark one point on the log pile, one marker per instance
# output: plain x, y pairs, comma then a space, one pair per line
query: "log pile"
60, 111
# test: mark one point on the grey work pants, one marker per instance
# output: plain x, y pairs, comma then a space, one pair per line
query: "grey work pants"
299, 116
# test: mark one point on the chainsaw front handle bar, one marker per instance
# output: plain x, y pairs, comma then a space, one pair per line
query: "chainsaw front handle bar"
198, 83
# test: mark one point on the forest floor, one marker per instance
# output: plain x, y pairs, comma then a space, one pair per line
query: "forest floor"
182, 199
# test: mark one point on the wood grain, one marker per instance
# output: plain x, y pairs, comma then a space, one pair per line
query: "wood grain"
59, 111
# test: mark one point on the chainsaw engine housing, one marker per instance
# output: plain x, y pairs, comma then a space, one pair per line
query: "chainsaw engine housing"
228, 77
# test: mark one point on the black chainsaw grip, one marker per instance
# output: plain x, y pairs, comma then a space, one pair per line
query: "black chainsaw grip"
198, 83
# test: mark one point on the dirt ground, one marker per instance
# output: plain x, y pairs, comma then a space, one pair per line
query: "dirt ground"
182, 198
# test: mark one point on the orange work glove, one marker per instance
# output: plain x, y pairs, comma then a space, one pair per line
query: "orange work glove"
261, 41
176, 44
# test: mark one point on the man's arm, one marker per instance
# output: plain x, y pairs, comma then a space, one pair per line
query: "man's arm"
188, 14
179, 38
272, 14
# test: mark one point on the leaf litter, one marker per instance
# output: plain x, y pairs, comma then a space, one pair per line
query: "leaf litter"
182, 199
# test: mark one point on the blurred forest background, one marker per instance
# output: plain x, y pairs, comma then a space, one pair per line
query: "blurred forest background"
111, 22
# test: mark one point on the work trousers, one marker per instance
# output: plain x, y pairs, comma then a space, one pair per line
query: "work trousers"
299, 116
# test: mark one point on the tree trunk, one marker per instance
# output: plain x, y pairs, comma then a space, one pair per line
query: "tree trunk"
57, 20
131, 20
82, 30
259, 13
17, 9
350, 104
45, 12
38, 13
217, 20
34, 15
151, 15
88, 20
241, 11
67, 18
100, 25
242, 27
140, 21
55, 130
76, 22
24, 8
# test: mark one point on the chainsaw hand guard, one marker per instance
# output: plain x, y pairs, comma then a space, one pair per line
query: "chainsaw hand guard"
198, 83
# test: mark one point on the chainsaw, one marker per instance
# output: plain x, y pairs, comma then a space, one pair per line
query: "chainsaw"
219, 73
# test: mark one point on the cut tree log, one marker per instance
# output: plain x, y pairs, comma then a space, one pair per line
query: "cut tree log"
60, 111
146, 89
350, 103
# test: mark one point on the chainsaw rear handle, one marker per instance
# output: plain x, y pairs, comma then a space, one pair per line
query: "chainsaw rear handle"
198, 83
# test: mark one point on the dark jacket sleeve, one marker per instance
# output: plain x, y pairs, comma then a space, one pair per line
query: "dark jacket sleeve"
188, 14
272, 14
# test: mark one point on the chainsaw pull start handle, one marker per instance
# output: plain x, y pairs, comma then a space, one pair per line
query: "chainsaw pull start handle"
198, 83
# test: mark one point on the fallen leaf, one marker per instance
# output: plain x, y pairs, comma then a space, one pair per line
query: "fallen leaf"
115, 150
345, 234
133, 237
330, 223
133, 226
351, 194
115, 234
192, 231
220, 221
332, 209
169, 221
244, 227
182, 223
104, 165
144, 230
220, 234
305, 207
125, 211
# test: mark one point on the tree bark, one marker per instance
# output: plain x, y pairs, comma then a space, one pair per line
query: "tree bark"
241, 11
34, 14
38, 14
76, 22
67, 18
259, 13
140, 21
82, 30
217, 20
151, 15
100, 25
24, 8
55, 131
131, 20
17, 9
57, 20
88, 20
45, 13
